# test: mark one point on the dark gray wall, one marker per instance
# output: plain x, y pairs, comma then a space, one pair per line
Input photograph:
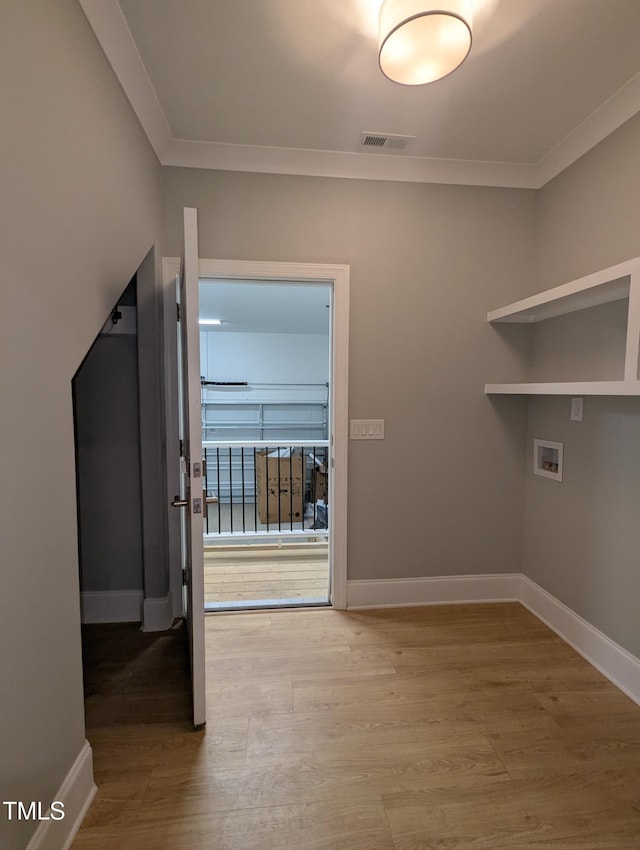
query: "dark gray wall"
442, 494
151, 395
582, 537
81, 208
108, 457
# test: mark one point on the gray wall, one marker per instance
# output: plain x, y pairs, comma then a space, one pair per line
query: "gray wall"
151, 397
582, 536
81, 207
120, 451
108, 458
443, 493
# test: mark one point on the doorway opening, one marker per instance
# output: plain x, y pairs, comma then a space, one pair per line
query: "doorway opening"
335, 278
106, 410
106, 405
265, 355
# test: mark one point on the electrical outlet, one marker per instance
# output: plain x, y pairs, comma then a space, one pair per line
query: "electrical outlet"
576, 409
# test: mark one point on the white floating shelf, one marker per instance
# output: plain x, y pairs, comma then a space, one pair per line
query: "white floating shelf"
599, 288
629, 388
613, 284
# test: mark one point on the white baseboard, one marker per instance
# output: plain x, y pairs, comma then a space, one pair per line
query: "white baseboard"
76, 792
619, 666
157, 614
111, 606
437, 590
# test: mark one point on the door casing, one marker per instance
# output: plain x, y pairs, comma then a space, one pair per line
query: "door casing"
335, 276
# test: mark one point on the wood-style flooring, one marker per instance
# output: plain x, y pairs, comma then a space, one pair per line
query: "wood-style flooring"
291, 573
470, 727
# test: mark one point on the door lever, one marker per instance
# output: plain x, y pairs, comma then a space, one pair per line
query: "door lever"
183, 503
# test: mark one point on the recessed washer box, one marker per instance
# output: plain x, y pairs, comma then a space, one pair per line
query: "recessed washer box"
547, 459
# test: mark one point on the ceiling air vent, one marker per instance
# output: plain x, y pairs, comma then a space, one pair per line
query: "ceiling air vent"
385, 141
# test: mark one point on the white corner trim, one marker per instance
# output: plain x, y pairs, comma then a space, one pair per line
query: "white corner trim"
184, 153
157, 613
76, 792
619, 666
438, 590
621, 106
113, 34
111, 606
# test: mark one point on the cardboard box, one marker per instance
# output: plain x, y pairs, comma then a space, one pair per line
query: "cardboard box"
319, 482
280, 480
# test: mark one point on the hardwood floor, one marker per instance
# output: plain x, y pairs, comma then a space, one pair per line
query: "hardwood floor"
258, 574
470, 727
133, 677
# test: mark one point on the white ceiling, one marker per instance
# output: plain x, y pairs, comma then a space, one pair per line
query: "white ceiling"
250, 307
288, 86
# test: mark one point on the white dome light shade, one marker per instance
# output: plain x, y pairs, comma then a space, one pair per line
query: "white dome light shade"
421, 42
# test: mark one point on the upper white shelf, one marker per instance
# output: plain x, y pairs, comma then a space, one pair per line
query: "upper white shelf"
613, 284
631, 388
610, 284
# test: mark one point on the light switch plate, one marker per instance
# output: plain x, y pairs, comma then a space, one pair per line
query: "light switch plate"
367, 429
577, 406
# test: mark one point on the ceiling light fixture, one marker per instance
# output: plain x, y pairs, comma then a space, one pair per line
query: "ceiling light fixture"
420, 41
209, 322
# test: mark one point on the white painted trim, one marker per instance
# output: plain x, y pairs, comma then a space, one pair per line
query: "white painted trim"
606, 119
170, 272
111, 606
349, 165
433, 590
631, 388
619, 666
110, 27
632, 351
112, 31
336, 276
190, 401
76, 792
281, 271
157, 614
613, 661
600, 287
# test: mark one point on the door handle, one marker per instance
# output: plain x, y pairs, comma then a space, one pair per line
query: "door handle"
183, 503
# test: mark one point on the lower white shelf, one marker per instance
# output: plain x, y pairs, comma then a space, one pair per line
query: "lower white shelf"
629, 388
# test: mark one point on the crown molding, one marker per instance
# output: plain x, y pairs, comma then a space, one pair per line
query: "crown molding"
110, 27
113, 34
613, 113
358, 166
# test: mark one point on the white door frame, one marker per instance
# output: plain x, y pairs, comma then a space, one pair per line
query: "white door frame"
192, 493
337, 277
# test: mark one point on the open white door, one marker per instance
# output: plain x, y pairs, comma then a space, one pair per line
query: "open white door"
191, 499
